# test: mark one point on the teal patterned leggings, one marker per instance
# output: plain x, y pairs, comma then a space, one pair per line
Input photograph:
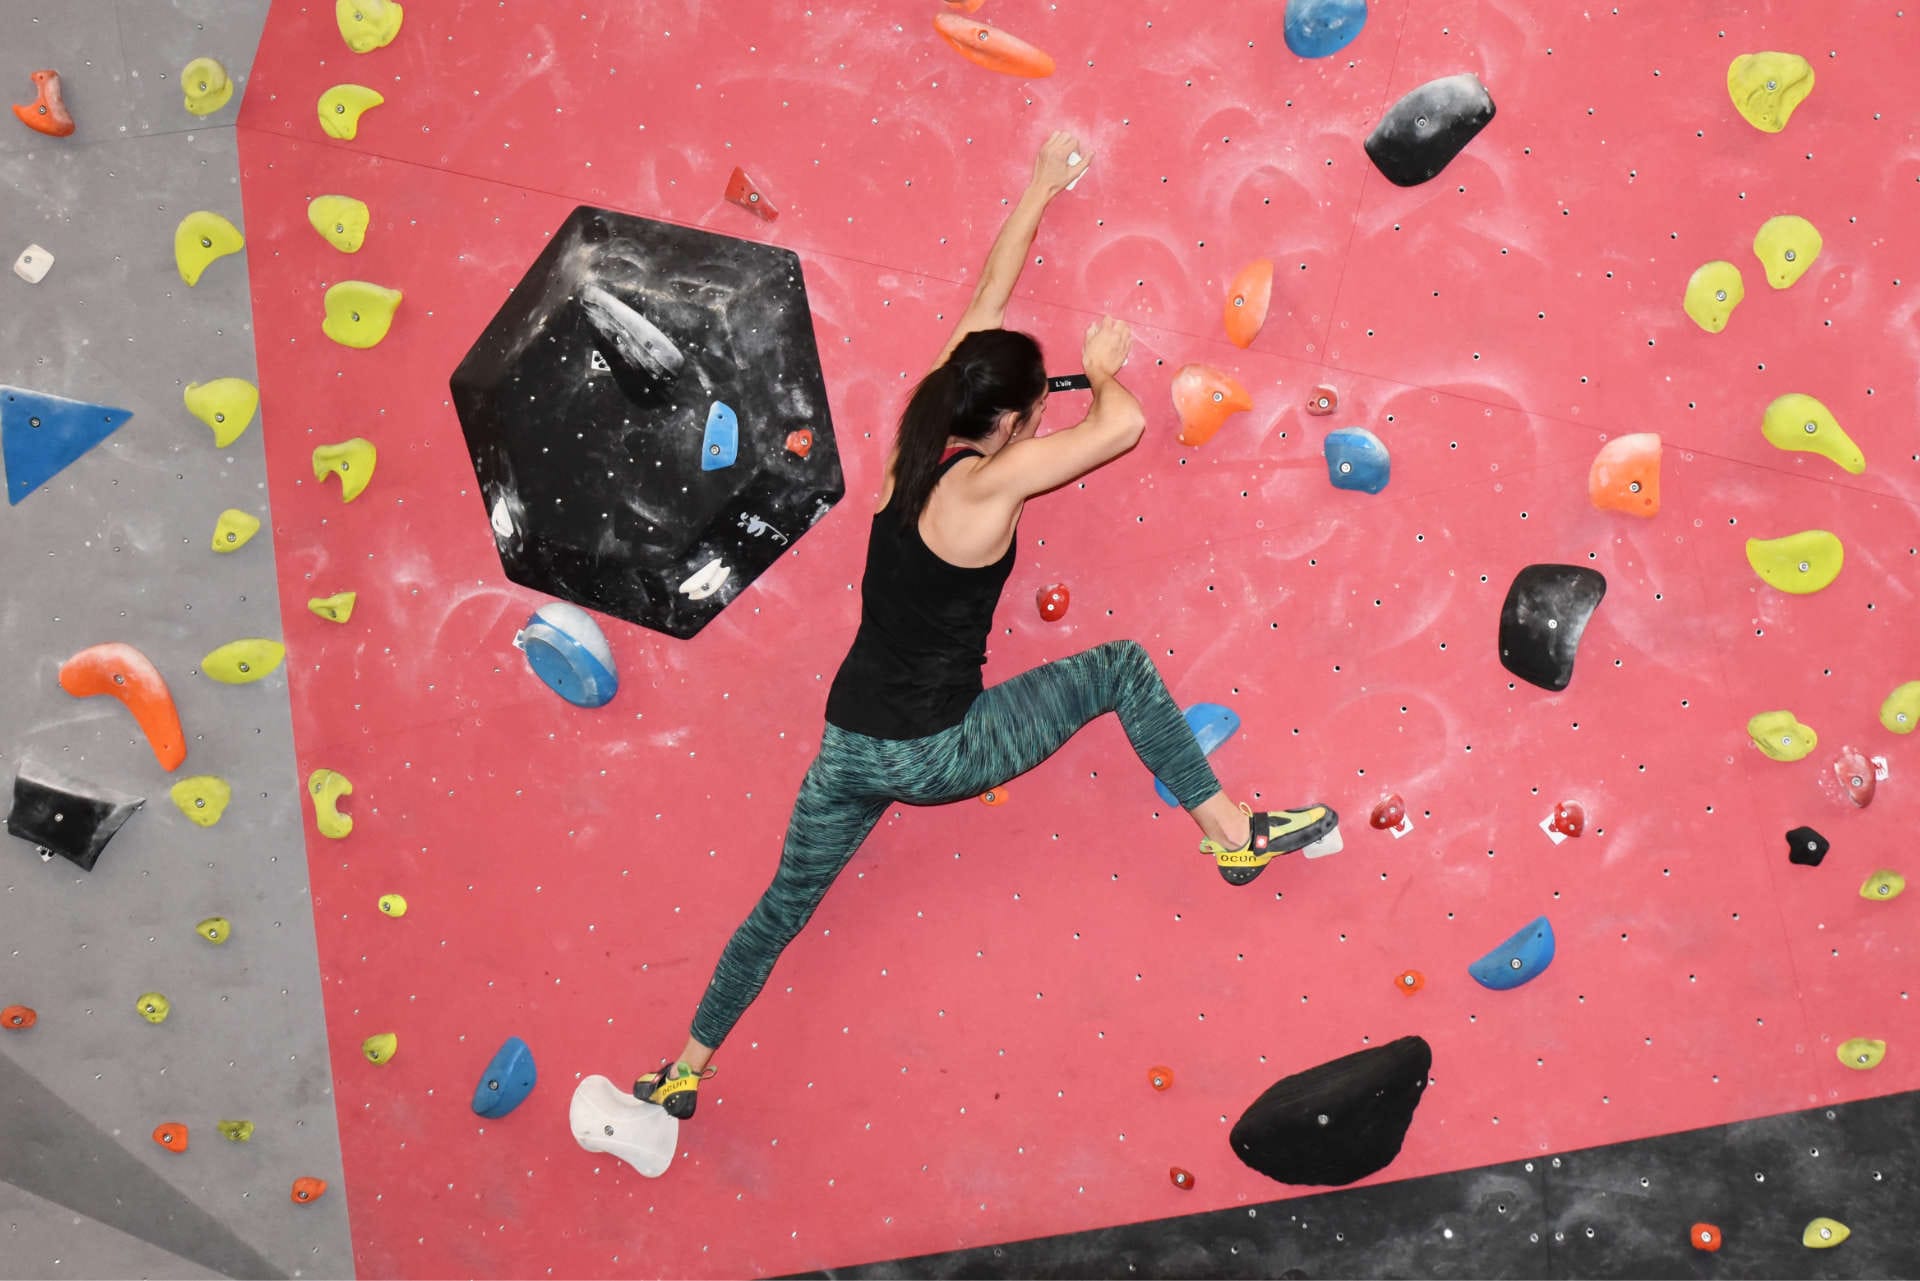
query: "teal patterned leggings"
1010, 728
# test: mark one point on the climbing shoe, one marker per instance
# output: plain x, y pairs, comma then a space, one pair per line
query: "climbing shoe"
1276, 833
675, 1088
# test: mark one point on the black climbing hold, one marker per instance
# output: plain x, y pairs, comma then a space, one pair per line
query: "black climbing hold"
585, 403
1425, 130
1806, 847
1339, 1122
65, 817
1540, 625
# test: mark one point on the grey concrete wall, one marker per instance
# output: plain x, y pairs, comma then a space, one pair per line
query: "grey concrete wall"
115, 548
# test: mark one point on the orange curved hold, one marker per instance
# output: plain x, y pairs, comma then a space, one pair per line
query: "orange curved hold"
997, 796
1205, 398
171, 1135
965, 6
1625, 476
47, 113
1705, 1237
1409, 981
1160, 1078
1247, 300
307, 1188
991, 47
18, 1018
124, 672
1181, 1178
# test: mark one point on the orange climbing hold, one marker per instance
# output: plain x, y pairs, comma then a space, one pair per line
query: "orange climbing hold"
47, 113
991, 47
1625, 476
1705, 1237
997, 796
1181, 1178
18, 1018
965, 6
800, 442
1205, 398
125, 673
1409, 981
307, 1188
171, 1135
1247, 300
1160, 1078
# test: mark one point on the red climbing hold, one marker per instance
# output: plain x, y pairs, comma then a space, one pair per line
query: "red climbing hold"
307, 1188
125, 673
1181, 1178
1705, 1237
1856, 776
991, 47
1569, 819
1160, 1078
1205, 398
1409, 981
1323, 401
745, 192
1390, 812
1052, 601
171, 1135
800, 442
47, 113
1248, 298
965, 6
18, 1018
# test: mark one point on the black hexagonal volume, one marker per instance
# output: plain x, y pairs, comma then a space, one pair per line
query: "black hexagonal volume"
647, 419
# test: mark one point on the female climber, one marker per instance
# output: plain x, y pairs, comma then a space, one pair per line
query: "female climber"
907, 720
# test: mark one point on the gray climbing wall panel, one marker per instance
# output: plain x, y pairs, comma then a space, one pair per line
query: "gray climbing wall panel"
116, 548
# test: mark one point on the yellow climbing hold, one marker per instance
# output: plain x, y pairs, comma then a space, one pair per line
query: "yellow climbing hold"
1862, 1053
1901, 712
1766, 87
340, 108
215, 929
202, 798
233, 529
206, 86
352, 460
1799, 563
337, 608
367, 25
1824, 1233
327, 787
201, 237
1786, 246
1713, 291
340, 220
380, 1047
1883, 885
225, 404
242, 662
1780, 736
393, 905
235, 1131
153, 1007
359, 313
1799, 422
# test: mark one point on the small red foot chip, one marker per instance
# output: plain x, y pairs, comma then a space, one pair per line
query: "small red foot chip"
1409, 982
18, 1017
998, 796
171, 1135
1181, 1178
1390, 812
1324, 400
1705, 1237
800, 442
1053, 601
1569, 819
306, 1188
1160, 1078
743, 191
1856, 776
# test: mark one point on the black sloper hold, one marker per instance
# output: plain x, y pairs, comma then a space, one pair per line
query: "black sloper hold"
1422, 133
1806, 847
1546, 613
1339, 1122
64, 817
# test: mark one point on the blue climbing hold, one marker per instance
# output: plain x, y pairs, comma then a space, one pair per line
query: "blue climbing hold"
1322, 28
507, 1081
722, 444
41, 435
1212, 724
568, 651
1521, 958
1357, 460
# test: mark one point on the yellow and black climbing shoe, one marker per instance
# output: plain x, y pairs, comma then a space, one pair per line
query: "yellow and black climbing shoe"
675, 1088
1276, 833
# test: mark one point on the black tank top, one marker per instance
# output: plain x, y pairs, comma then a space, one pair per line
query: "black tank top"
914, 668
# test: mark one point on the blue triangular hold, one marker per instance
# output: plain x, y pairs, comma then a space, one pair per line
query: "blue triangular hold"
41, 435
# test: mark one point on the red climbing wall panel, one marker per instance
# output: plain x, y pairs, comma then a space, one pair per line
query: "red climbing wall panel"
955, 1052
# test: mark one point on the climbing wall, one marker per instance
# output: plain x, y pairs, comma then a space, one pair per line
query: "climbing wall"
115, 547
956, 1051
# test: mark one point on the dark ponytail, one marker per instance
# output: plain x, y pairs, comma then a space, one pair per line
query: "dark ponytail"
991, 372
